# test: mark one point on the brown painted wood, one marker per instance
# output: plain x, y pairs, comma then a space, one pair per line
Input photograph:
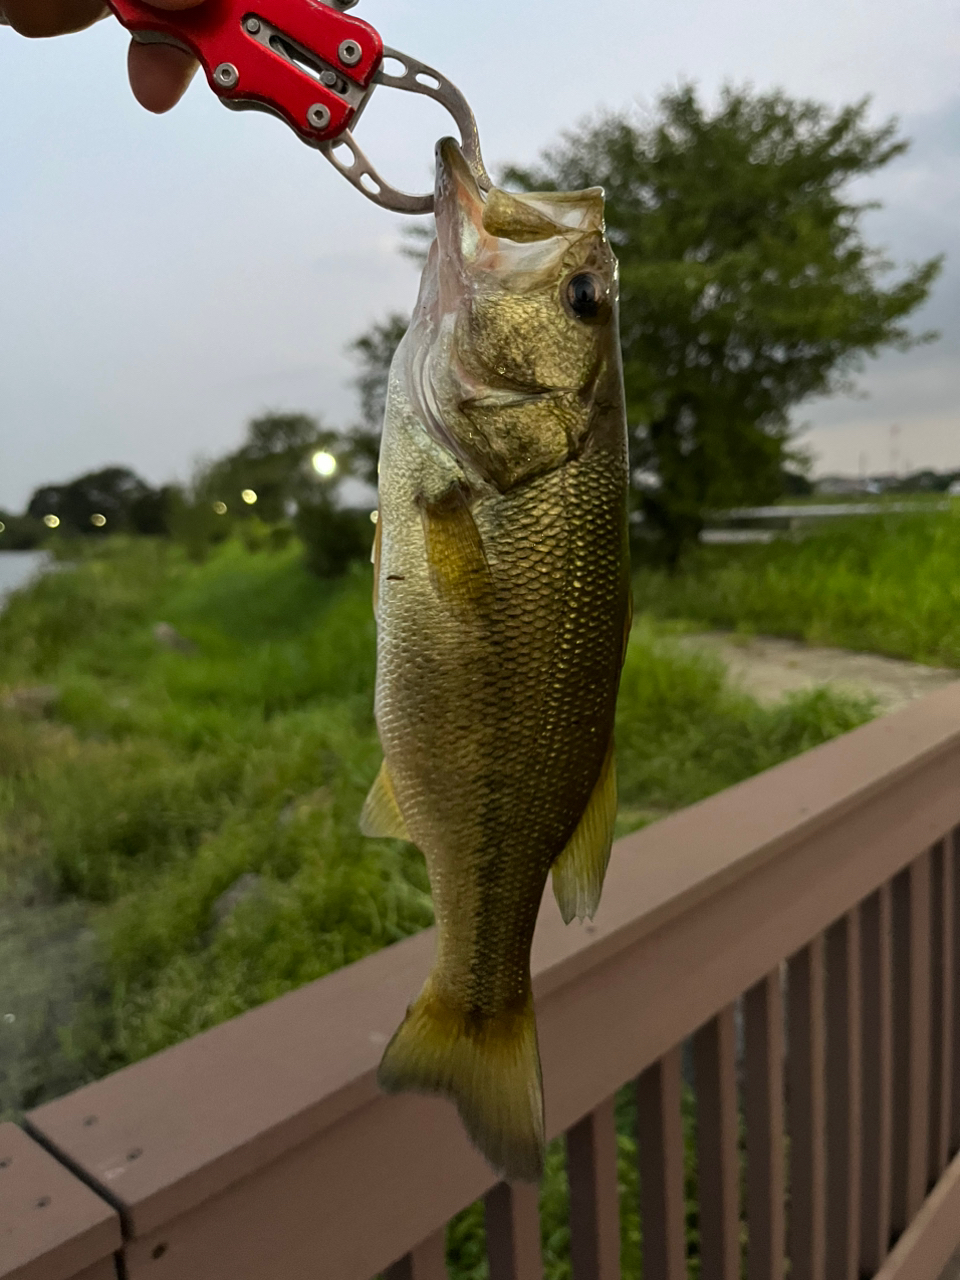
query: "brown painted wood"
954, 1141
843, 1098
428, 1261
513, 1231
877, 1059
715, 1071
920, 1020
949, 1064
806, 1111
106, 1269
660, 1153
941, 949
242, 1125
926, 1246
594, 1195
763, 1106
52, 1226
911, 1030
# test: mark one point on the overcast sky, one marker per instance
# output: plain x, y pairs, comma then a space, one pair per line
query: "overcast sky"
163, 279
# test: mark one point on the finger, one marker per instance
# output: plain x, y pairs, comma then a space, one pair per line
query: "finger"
39, 18
159, 74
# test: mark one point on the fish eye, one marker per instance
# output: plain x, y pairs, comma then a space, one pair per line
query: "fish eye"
585, 295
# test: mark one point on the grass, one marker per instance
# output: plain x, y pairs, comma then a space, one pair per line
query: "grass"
884, 584
159, 777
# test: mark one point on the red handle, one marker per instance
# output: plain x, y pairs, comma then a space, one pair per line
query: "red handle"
247, 47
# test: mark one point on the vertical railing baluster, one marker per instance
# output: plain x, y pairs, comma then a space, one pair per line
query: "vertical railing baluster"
660, 1154
843, 1099
763, 1106
949, 1063
911, 1040
428, 1261
513, 1231
877, 1081
940, 987
715, 1069
950, 958
594, 1195
806, 1111
953, 851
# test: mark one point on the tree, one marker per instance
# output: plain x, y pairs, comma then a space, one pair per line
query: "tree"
747, 285
273, 462
114, 500
373, 351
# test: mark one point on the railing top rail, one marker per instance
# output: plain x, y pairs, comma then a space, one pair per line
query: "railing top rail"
52, 1225
165, 1134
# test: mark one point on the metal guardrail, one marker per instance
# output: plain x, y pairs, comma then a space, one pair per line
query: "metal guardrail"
800, 932
819, 511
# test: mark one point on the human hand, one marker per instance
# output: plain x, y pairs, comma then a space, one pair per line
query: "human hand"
159, 74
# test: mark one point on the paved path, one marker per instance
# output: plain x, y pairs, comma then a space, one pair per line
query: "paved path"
768, 668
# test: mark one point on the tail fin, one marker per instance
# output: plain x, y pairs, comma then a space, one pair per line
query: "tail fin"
489, 1068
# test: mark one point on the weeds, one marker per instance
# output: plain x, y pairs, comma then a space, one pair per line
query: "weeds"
884, 584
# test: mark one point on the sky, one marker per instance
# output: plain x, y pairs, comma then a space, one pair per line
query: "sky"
163, 279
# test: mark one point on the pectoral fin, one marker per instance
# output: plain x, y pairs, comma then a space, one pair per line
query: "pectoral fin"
458, 564
579, 870
381, 814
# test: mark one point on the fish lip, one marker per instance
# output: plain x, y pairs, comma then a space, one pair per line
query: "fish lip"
455, 179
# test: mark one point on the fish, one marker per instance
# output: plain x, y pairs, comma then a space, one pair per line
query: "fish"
502, 599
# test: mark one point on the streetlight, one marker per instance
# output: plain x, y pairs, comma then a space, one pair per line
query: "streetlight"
249, 497
324, 463
52, 522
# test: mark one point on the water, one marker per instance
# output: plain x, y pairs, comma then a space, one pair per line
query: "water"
18, 567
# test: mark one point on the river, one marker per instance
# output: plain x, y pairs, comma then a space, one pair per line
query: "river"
18, 567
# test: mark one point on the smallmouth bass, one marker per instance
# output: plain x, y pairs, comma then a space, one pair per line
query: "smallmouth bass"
502, 600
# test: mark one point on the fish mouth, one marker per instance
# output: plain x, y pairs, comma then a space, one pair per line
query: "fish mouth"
459, 204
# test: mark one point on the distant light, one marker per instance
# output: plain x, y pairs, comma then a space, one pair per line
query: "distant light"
52, 522
374, 516
98, 520
324, 464
2, 526
249, 496
220, 508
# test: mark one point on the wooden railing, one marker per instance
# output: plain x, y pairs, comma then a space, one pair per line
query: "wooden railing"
781, 959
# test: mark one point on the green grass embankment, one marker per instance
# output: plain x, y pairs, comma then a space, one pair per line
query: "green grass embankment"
158, 777
885, 584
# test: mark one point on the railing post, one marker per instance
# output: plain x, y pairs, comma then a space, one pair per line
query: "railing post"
594, 1195
715, 1069
428, 1261
513, 1231
660, 1153
763, 1081
876, 925
953, 852
805, 1068
843, 1100
911, 1040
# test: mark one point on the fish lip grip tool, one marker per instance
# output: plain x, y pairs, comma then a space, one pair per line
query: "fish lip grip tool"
313, 65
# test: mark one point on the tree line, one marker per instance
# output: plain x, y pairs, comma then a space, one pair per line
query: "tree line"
747, 286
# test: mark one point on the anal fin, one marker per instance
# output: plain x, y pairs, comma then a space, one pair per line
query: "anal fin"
381, 814
579, 870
